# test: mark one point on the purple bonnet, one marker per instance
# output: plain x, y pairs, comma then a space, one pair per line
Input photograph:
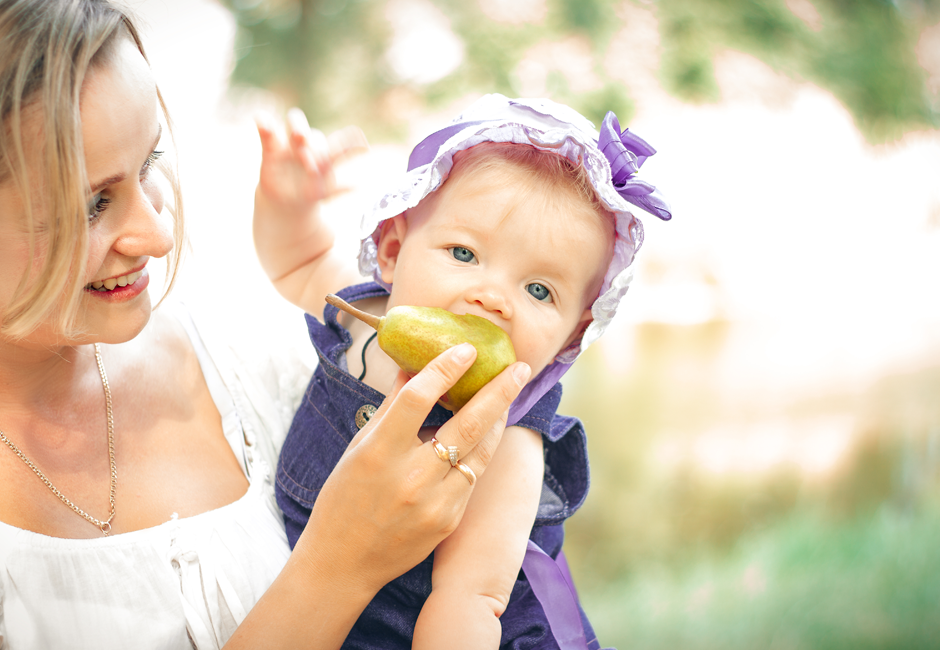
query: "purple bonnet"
611, 158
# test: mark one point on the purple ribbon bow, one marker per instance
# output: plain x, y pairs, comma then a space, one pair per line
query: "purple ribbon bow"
626, 152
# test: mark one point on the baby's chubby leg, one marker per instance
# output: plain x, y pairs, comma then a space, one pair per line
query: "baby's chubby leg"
475, 568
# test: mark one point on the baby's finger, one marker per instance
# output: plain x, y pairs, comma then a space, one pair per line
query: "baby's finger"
320, 150
476, 428
297, 122
309, 144
268, 132
346, 142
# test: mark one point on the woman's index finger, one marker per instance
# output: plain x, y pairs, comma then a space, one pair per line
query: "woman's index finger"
415, 399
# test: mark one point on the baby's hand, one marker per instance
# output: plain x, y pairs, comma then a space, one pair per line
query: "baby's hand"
296, 175
292, 241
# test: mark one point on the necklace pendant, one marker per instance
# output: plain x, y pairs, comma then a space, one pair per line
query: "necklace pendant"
105, 527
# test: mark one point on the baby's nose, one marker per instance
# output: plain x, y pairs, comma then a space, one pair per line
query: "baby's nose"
493, 300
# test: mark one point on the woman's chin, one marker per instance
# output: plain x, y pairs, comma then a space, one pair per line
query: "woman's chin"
115, 322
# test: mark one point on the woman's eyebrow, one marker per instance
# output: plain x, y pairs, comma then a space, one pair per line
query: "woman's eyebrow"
117, 178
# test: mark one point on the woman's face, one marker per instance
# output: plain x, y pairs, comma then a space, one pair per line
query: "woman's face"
121, 131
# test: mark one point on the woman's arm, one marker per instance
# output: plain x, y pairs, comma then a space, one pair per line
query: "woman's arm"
388, 503
293, 243
476, 567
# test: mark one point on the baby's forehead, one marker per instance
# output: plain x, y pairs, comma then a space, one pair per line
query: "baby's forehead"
539, 194
515, 212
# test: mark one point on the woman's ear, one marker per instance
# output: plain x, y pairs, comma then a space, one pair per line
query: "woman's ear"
391, 237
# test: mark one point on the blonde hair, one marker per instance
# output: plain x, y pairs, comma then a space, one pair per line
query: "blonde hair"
47, 48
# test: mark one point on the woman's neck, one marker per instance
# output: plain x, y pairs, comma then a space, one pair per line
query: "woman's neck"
33, 375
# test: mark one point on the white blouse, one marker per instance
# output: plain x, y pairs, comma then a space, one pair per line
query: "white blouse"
186, 583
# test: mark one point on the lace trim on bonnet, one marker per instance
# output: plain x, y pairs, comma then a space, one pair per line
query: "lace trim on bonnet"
552, 127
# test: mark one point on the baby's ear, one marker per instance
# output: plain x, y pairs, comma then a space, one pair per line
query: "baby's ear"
391, 236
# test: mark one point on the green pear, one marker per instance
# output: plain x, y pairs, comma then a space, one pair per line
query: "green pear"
413, 336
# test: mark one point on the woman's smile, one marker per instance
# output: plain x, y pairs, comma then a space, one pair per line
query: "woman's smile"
121, 287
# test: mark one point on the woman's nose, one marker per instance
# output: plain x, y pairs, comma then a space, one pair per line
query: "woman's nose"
147, 228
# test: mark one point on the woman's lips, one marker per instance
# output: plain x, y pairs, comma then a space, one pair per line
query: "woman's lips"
111, 283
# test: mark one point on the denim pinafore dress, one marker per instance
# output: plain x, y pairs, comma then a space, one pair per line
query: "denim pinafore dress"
336, 405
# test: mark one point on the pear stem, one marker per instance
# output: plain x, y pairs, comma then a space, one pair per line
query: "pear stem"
369, 319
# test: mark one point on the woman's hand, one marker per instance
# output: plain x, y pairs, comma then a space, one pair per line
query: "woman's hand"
395, 497
389, 501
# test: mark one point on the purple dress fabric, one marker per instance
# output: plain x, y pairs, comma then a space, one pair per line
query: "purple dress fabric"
324, 425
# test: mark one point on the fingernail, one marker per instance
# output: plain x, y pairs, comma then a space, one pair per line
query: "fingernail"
521, 373
463, 352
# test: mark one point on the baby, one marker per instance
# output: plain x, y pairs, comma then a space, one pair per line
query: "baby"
517, 212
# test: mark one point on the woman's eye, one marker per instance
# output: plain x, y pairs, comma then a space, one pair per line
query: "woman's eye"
462, 254
96, 206
151, 159
539, 292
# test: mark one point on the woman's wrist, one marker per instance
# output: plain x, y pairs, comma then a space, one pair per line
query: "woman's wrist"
333, 564
313, 603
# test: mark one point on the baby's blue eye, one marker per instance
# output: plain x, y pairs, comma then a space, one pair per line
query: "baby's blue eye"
539, 292
462, 254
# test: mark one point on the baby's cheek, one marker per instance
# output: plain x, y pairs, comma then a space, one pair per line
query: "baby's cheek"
538, 353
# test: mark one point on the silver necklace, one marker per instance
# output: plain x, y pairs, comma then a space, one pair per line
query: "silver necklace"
104, 526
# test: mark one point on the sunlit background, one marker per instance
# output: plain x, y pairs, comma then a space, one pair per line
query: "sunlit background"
764, 415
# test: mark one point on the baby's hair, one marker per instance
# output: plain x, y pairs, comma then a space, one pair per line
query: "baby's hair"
549, 168
46, 51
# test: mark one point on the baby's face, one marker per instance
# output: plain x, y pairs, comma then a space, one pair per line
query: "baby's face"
497, 244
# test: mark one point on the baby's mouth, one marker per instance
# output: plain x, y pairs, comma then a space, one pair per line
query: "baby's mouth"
112, 283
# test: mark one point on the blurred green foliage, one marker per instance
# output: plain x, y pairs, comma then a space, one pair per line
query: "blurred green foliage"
673, 555
805, 583
322, 55
640, 513
329, 56
863, 51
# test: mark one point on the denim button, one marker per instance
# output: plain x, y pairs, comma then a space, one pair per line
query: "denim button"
364, 414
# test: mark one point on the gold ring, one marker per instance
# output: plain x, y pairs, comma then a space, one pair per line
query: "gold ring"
466, 471
453, 455
441, 451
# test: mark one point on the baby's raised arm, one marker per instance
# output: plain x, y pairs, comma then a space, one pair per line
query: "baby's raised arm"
294, 244
475, 568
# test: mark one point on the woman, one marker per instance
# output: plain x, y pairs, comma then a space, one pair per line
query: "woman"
136, 504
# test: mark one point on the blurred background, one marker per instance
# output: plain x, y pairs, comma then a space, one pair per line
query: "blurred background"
764, 414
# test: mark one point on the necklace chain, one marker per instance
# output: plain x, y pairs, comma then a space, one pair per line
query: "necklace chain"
104, 526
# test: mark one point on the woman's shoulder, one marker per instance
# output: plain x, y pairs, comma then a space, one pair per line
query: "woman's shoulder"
265, 365
254, 344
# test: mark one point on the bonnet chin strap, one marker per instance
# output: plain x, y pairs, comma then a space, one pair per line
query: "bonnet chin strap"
553, 587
